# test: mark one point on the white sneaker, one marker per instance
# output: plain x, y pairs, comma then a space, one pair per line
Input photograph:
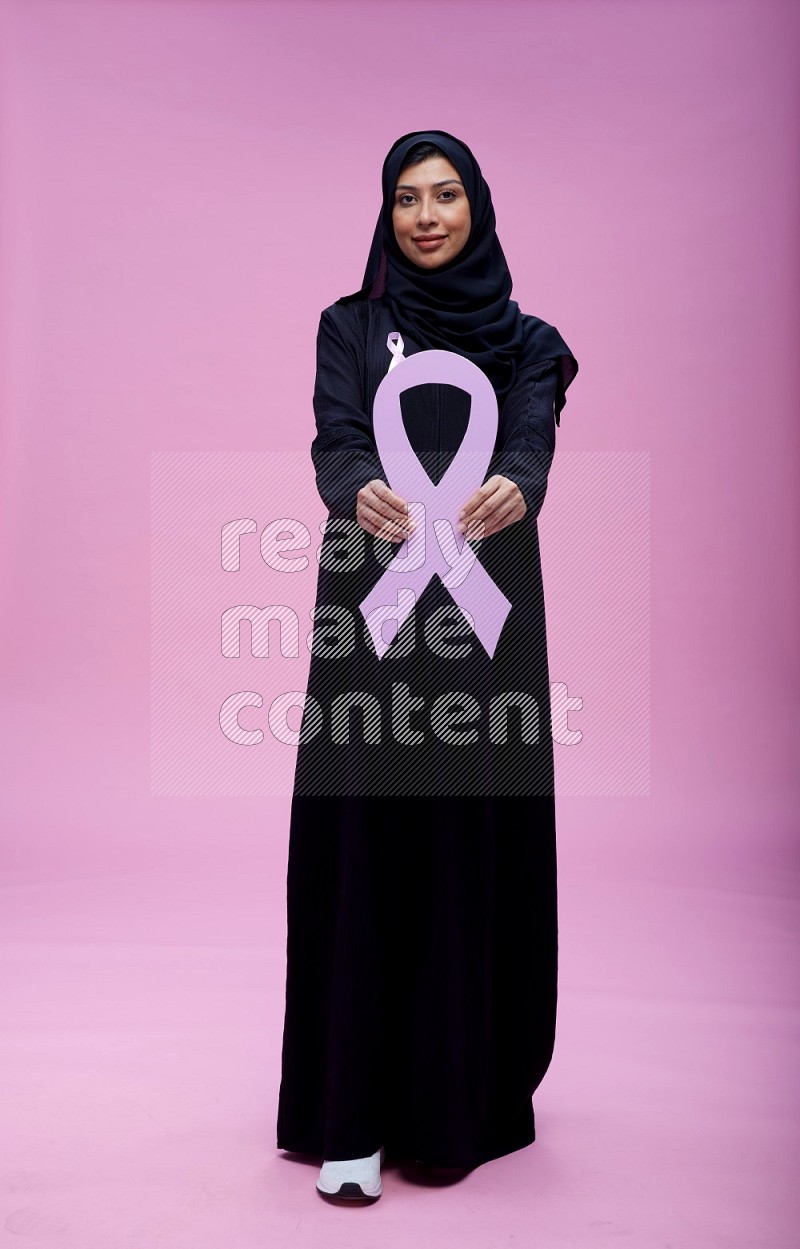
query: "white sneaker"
355, 1178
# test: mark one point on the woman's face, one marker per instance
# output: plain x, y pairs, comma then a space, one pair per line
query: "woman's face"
430, 203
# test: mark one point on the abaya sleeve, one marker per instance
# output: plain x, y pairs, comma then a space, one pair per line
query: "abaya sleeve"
343, 452
527, 432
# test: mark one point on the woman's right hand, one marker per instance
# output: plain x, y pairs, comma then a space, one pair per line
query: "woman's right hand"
382, 512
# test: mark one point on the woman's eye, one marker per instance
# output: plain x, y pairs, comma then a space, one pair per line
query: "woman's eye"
446, 191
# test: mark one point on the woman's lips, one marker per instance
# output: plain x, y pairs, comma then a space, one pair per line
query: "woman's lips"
429, 244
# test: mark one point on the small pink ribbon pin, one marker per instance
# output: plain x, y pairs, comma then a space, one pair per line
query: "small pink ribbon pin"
435, 546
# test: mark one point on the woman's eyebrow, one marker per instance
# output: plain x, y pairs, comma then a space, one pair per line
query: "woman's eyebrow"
406, 186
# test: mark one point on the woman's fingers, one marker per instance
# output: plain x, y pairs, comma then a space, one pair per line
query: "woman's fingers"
392, 506
382, 526
478, 510
482, 503
385, 512
388, 496
494, 505
498, 520
474, 502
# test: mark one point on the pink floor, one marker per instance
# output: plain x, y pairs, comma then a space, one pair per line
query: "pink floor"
140, 1062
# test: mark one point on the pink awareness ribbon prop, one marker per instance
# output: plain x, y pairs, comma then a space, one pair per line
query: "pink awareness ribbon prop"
436, 545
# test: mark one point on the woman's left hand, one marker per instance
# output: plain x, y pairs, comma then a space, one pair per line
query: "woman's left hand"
497, 503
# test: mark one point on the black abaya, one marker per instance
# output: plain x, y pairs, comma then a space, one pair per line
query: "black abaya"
422, 940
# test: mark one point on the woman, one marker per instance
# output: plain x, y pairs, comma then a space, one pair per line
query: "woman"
421, 892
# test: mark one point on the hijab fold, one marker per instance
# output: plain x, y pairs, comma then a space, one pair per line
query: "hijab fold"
463, 305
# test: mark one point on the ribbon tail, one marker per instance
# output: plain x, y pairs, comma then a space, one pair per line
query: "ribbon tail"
484, 603
391, 598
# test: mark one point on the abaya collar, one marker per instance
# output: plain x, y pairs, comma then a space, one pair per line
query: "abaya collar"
463, 305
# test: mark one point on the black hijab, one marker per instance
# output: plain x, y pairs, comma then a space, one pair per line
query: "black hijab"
463, 305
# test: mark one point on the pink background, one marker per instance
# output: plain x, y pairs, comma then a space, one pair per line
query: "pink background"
184, 186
